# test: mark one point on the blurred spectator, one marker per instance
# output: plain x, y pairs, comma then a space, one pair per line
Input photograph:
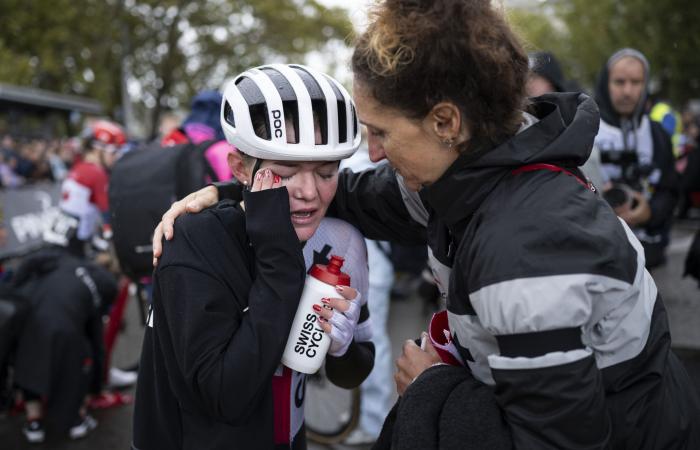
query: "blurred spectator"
636, 153
545, 75
60, 349
169, 122
84, 191
203, 124
30, 160
662, 112
688, 165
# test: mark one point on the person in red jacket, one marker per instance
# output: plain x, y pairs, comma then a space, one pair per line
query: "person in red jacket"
84, 191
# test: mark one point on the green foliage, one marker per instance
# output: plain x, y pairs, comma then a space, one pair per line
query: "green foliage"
666, 31
170, 49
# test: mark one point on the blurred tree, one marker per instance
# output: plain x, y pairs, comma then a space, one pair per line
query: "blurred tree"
583, 34
61, 45
170, 48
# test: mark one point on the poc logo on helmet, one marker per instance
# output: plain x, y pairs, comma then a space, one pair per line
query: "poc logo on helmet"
277, 122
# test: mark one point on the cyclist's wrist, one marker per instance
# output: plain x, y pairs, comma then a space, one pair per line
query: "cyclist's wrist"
230, 190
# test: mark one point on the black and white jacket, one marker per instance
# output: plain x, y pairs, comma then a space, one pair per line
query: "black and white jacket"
547, 294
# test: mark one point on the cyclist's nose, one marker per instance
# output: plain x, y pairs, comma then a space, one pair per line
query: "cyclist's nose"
305, 187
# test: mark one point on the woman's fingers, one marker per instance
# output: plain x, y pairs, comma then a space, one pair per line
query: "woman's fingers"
257, 182
157, 245
325, 326
339, 304
324, 311
265, 179
346, 292
168, 220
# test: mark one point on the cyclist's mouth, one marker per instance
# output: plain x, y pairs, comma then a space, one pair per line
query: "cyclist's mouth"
303, 217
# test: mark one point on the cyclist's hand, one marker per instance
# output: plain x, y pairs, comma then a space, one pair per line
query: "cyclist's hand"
193, 203
338, 317
265, 179
413, 362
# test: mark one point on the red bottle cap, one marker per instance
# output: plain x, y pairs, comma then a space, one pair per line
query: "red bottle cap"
331, 274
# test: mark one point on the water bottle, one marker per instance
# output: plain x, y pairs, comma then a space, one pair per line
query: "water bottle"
308, 344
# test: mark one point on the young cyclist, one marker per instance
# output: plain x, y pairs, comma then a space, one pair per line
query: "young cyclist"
227, 289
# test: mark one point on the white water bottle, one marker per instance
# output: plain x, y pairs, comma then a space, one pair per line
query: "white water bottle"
308, 344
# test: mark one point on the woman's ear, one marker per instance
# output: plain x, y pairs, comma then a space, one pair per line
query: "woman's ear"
448, 124
238, 168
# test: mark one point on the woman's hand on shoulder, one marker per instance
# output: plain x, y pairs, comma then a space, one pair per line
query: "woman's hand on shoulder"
193, 203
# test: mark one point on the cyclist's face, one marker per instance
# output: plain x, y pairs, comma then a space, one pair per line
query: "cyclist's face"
311, 187
411, 146
626, 85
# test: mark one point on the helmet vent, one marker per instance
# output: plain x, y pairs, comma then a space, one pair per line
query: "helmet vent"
342, 117
260, 121
228, 114
355, 124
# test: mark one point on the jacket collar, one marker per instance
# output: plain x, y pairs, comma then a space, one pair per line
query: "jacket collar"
563, 135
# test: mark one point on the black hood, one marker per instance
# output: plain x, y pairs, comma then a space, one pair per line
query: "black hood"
546, 65
39, 263
602, 93
567, 124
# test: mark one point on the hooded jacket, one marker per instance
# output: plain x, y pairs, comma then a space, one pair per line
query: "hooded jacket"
548, 299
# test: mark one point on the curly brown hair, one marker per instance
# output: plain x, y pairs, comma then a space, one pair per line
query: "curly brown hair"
417, 53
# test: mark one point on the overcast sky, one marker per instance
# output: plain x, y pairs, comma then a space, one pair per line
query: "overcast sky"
356, 9
357, 12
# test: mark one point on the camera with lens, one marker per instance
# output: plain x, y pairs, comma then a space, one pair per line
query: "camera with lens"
632, 173
619, 195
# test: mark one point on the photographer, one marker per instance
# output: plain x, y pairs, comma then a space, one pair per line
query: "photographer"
636, 154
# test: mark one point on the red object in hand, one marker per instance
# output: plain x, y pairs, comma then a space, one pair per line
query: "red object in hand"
440, 337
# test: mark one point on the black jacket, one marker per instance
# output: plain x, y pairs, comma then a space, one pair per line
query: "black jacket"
63, 329
548, 299
225, 293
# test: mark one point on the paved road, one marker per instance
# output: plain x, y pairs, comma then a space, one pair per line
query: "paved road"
407, 319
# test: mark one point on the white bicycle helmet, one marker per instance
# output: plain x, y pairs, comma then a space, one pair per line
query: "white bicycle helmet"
277, 93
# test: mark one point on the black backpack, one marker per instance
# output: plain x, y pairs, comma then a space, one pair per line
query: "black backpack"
143, 184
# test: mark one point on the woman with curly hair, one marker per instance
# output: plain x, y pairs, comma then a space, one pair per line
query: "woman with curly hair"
561, 337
